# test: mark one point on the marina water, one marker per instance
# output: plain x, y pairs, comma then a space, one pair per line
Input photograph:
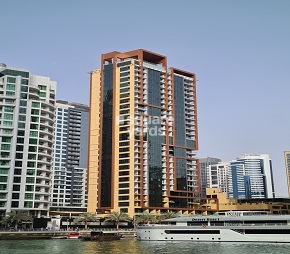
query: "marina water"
125, 246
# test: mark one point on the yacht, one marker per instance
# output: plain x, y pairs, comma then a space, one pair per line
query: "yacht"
234, 226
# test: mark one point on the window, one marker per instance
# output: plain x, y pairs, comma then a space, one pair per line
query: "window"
23, 103
32, 141
8, 116
5, 147
11, 80
43, 88
24, 88
35, 104
27, 204
24, 81
33, 134
29, 188
22, 118
3, 179
19, 148
8, 109
17, 179
14, 204
10, 93
30, 180
18, 164
21, 125
6, 139
22, 110
21, 133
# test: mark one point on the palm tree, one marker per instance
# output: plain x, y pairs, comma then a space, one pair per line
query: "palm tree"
118, 217
86, 218
168, 215
16, 216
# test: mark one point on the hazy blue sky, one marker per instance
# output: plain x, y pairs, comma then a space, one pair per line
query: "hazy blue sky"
240, 51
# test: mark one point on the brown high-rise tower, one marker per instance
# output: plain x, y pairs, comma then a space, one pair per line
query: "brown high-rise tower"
143, 135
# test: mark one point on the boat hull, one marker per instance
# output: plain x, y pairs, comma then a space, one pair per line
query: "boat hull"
209, 234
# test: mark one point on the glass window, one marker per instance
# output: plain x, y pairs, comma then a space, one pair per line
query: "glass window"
22, 110
29, 179
24, 81
7, 123
31, 156
31, 164
24, 88
34, 111
11, 80
14, 204
29, 187
20, 133
6, 131
33, 134
23, 95
42, 87
30, 172
8, 109
23, 103
5, 147
33, 141
28, 196
8, 116
19, 148
22, 118
10, 87
8, 93
27, 204
4, 171
21, 125
42, 94
35, 104
19, 155
6, 139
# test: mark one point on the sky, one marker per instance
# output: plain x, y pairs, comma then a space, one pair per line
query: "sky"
239, 50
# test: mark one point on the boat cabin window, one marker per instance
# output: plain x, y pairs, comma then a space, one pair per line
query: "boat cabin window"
168, 222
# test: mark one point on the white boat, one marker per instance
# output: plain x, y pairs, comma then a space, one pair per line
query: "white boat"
236, 226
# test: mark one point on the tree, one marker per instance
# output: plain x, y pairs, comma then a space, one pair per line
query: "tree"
117, 217
15, 217
168, 215
86, 218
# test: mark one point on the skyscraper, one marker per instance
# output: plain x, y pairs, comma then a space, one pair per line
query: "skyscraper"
26, 135
69, 178
203, 164
287, 165
143, 135
249, 176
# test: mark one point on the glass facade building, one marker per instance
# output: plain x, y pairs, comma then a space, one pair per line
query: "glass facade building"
69, 175
203, 165
143, 135
27, 104
249, 176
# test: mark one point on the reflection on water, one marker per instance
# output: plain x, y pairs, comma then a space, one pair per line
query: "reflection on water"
133, 246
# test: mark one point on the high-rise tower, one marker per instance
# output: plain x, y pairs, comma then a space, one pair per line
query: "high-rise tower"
143, 135
26, 140
69, 177
287, 165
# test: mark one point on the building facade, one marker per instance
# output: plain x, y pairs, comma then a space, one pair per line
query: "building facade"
287, 166
218, 176
203, 164
69, 175
27, 104
249, 176
143, 135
